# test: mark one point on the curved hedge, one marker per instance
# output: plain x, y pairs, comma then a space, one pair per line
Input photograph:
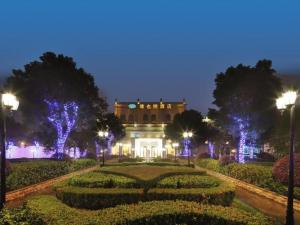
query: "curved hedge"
100, 180
221, 195
188, 181
48, 210
98, 198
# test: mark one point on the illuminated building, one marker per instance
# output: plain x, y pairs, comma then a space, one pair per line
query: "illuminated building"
144, 124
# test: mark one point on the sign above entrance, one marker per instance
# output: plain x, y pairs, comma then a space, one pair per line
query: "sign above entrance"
132, 106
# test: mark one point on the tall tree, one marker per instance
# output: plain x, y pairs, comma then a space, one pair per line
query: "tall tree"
55, 94
245, 97
189, 120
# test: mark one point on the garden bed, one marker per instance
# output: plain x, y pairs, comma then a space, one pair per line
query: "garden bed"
49, 210
259, 175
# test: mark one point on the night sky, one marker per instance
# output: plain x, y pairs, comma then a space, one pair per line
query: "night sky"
152, 49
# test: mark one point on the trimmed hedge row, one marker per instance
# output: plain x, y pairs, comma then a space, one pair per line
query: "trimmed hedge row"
28, 173
147, 184
97, 198
100, 180
221, 195
188, 181
48, 210
258, 175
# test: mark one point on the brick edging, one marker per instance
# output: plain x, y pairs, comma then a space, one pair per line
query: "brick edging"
20, 193
280, 199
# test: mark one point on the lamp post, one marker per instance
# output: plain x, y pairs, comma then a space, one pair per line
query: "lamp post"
288, 101
103, 135
175, 146
8, 102
120, 151
187, 136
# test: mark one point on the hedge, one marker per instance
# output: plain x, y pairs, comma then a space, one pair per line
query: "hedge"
50, 211
221, 195
188, 181
28, 173
100, 180
258, 175
97, 198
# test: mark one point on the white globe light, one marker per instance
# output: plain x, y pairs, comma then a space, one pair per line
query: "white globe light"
280, 103
289, 97
10, 100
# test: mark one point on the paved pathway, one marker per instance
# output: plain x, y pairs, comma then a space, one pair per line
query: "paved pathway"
266, 201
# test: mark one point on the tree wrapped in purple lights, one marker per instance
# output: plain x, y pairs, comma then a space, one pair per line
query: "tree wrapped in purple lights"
63, 117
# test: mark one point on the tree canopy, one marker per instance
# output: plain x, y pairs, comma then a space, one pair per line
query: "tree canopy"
245, 97
55, 79
189, 120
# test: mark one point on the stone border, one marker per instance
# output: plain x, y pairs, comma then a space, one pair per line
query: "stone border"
21, 193
280, 199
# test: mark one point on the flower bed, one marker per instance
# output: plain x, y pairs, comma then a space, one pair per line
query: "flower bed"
48, 210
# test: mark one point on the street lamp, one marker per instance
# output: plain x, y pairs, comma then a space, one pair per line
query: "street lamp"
288, 101
175, 146
103, 135
8, 102
187, 136
120, 150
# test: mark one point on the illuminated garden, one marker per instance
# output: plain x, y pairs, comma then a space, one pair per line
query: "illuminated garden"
149, 113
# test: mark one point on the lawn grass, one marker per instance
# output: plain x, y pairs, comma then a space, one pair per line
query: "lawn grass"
146, 172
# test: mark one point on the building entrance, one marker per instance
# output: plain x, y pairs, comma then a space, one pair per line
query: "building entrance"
148, 148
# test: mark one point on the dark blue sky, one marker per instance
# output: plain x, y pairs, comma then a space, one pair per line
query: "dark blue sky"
152, 49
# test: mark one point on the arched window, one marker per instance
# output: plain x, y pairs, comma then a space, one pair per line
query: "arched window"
123, 117
168, 118
130, 118
145, 118
153, 118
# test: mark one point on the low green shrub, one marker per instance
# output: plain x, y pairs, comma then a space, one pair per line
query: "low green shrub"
81, 164
22, 216
188, 181
256, 174
53, 212
97, 198
31, 172
100, 180
221, 195
210, 164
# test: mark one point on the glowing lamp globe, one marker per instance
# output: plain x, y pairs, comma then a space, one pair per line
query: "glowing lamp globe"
289, 97
280, 103
10, 100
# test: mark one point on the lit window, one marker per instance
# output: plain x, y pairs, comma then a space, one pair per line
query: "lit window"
142, 106
148, 106
162, 106
155, 106
169, 106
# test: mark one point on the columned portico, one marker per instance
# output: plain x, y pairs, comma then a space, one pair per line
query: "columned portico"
149, 148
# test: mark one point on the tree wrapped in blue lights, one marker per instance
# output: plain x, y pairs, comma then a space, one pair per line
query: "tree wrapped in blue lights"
55, 96
63, 117
245, 97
